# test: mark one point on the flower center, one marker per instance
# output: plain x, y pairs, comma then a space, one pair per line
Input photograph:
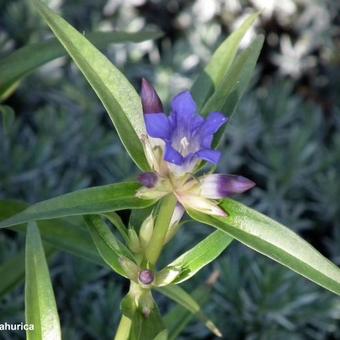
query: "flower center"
184, 143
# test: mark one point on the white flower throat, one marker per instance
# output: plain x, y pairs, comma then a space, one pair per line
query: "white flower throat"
184, 146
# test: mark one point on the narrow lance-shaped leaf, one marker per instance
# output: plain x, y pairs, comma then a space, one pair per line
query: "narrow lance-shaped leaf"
40, 306
200, 255
8, 116
61, 233
228, 95
179, 295
271, 238
214, 73
163, 335
115, 219
87, 201
109, 248
66, 234
12, 271
179, 317
232, 87
113, 89
28, 58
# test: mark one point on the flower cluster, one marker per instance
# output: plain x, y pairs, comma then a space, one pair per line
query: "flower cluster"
175, 147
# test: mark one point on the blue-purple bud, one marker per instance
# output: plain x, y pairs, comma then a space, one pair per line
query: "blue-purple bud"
218, 186
146, 277
148, 179
230, 185
150, 101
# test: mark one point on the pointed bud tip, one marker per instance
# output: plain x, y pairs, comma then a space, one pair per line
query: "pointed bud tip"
151, 102
245, 183
229, 185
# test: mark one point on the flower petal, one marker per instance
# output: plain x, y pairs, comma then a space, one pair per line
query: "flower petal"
218, 186
184, 108
206, 141
211, 156
213, 122
150, 101
157, 125
177, 215
201, 204
173, 156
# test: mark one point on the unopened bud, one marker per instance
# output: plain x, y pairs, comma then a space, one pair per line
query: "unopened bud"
134, 243
130, 268
148, 179
175, 222
150, 100
146, 277
145, 232
146, 303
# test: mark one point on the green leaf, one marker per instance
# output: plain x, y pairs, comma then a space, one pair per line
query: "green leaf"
179, 317
69, 237
115, 92
40, 306
232, 87
8, 90
163, 335
217, 69
115, 219
62, 234
274, 240
179, 295
228, 95
200, 255
28, 58
109, 248
87, 201
143, 328
8, 116
9, 208
65, 234
12, 272
137, 217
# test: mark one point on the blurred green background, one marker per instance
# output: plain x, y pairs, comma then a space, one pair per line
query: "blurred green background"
284, 135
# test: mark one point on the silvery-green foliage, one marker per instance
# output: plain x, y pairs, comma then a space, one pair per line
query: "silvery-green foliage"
271, 303
57, 129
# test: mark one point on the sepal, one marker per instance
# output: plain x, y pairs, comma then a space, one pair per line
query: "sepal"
166, 276
130, 268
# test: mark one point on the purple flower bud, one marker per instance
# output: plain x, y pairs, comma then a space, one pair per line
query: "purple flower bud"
146, 277
148, 179
150, 100
218, 186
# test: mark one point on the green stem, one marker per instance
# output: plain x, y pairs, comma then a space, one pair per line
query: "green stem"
166, 209
123, 330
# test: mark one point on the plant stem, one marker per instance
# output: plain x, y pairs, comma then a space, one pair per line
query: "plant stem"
166, 209
123, 330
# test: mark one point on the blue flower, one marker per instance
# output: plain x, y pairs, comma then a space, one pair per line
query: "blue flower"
182, 139
188, 136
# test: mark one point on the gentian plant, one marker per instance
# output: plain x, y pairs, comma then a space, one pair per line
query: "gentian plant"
176, 154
